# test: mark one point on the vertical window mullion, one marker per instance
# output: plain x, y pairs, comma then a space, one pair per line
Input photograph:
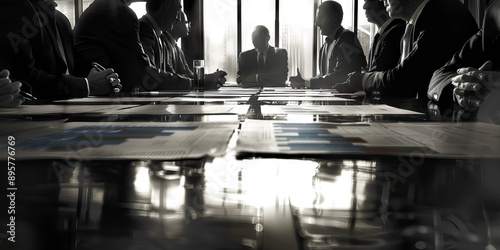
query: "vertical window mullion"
277, 24
355, 17
78, 9
238, 28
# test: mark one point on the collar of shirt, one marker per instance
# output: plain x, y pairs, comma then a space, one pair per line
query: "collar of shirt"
333, 35
385, 25
169, 37
417, 12
156, 27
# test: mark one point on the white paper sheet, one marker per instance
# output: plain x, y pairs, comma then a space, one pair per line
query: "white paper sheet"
438, 140
75, 141
62, 109
113, 100
335, 110
305, 98
226, 93
165, 109
207, 99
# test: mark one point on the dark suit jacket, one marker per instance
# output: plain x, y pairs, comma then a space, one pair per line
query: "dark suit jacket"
34, 57
275, 70
182, 66
155, 46
108, 33
347, 56
439, 32
386, 51
475, 52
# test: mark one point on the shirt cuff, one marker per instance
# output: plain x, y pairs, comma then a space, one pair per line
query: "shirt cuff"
88, 87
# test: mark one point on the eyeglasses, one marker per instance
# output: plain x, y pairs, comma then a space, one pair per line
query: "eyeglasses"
179, 17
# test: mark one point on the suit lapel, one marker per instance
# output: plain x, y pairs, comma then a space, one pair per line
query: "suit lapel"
63, 29
335, 51
269, 58
52, 33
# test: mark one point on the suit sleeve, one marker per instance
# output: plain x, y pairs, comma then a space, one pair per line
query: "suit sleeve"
471, 55
348, 57
22, 65
245, 73
148, 40
186, 70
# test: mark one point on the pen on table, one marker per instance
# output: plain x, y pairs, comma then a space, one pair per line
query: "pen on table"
27, 95
99, 68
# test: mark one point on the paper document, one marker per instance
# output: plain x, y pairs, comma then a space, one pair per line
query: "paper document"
336, 110
207, 99
62, 109
165, 109
305, 98
113, 100
221, 93
441, 140
124, 140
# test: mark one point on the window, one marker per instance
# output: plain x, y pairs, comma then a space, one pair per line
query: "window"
295, 30
221, 37
68, 8
297, 35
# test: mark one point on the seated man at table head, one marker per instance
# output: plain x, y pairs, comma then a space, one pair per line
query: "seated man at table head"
435, 30
40, 54
473, 72
9, 91
264, 65
341, 53
385, 49
180, 29
108, 33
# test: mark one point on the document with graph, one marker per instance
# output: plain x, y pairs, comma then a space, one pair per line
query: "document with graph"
437, 140
124, 140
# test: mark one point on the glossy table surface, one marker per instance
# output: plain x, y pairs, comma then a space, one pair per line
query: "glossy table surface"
249, 201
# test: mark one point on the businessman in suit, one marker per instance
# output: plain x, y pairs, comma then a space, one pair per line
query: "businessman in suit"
108, 33
37, 49
435, 30
341, 53
264, 65
384, 51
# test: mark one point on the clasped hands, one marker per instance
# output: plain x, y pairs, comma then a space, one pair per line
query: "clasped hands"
215, 80
472, 85
103, 82
9, 91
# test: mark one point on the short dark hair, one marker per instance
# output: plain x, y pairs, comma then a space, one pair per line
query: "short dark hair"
262, 29
154, 5
334, 8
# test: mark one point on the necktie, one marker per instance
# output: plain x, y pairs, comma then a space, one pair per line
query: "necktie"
371, 63
324, 56
260, 62
406, 41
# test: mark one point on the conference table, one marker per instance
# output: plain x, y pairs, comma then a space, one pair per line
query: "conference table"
248, 168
